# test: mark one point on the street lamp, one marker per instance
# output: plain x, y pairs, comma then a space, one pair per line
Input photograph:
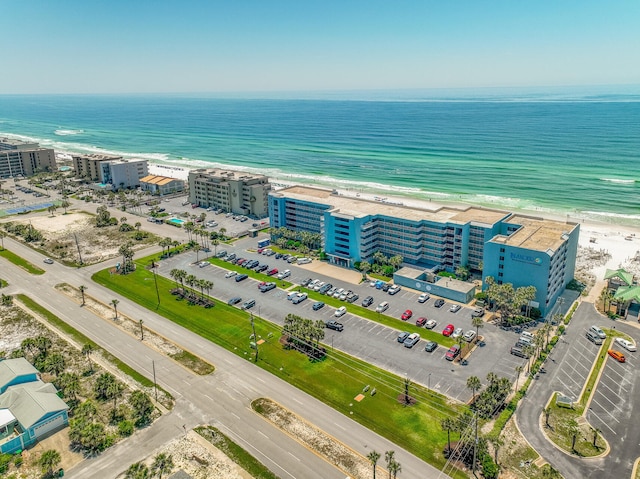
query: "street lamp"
155, 280
255, 338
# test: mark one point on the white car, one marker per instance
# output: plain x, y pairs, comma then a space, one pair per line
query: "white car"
431, 324
203, 264
230, 274
373, 283
626, 344
423, 297
340, 311
48, 260
304, 260
284, 274
457, 333
338, 292
454, 308
469, 335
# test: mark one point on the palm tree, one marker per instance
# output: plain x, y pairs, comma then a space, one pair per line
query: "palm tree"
162, 464
547, 412
49, 461
518, 369
55, 364
573, 430
65, 204
395, 468
365, 267
137, 470
69, 383
448, 425
114, 303
477, 323
389, 458
3, 235
87, 349
197, 248
374, 456
138, 225
82, 289
473, 383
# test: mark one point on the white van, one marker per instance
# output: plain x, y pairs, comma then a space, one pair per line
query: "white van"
382, 307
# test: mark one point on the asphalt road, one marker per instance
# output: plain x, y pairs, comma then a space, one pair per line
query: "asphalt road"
221, 399
617, 395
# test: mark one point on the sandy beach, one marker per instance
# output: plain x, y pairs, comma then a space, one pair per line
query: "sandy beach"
622, 243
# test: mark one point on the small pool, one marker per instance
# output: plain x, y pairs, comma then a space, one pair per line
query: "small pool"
176, 221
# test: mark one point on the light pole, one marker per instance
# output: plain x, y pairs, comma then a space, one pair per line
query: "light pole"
155, 280
141, 331
429, 381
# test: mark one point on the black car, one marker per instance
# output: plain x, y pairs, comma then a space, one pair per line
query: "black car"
252, 264
233, 301
335, 325
430, 346
325, 288
278, 255
318, 305
368, 301
262, 267
439, 303
241, 277
352, 298
285, 257
306, 282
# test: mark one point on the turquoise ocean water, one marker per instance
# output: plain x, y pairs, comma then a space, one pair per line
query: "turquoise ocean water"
557, 151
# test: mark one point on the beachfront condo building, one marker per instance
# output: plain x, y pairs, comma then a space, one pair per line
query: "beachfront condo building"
21, 158
110, 172
161, 185
524, 251
232, 191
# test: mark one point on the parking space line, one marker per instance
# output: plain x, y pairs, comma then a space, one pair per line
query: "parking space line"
605, 409
603, 422
614, 393
612, 403
606, 376
577, 372
571, 379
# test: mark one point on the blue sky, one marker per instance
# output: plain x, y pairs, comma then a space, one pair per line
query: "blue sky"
69, 46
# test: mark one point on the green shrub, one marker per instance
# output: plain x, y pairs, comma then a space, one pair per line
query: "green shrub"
489, 468
125, 428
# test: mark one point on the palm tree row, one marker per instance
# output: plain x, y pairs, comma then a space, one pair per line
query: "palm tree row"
282, 236
181, 277
304, 330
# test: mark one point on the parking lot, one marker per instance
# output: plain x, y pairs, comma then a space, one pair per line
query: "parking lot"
365, 339
577, 364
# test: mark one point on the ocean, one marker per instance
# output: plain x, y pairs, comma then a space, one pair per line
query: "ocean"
561, 152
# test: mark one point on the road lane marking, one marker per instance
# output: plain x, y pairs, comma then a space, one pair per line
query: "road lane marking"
208, 397
295, 457
235, 415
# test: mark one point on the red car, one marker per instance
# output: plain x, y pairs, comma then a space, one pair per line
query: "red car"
272, 272
448, 331
452, 353
406, 315
421, 321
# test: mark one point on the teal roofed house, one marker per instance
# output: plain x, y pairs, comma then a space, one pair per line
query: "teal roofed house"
30, 409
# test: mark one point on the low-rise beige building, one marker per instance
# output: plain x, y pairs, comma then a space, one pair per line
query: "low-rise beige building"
21, 158
161, 185
232, 191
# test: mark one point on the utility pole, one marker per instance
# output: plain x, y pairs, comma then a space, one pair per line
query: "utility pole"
141, 331
475, 446
78, 246
255, 338
155, 280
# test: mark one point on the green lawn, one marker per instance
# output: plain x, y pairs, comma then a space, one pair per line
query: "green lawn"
336, 381
21, 262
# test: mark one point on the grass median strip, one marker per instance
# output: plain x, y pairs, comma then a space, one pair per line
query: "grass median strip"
21, 262
336, 380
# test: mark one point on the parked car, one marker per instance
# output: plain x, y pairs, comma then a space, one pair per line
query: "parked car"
406, 315
340, 311
338, 292
368, 301
344, 295
262, 268
249, 303
325, 288
222, 253
300, 298
411, 340
382, 307
453, 353
234, 300
312, 284
617, 355
601, 334
430, 346
626, 344
402, 336
423, 297
457, 333
318, 305
421, 321
335, 325
477, 313
203, 264
305, 282
230, 274
454, 308
448, 330
352, 298
304, 260
431, 324
291, 295
469, 336
439, 303
273, 271
292, 259
284, 274
241, 277
267, 287
394, 289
